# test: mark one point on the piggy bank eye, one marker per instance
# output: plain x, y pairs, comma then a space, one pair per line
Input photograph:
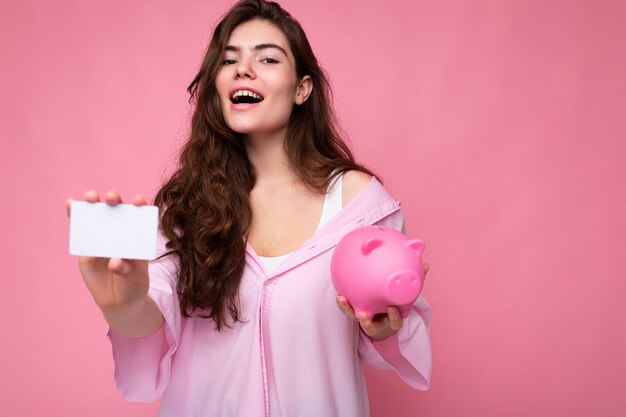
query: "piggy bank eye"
371, 244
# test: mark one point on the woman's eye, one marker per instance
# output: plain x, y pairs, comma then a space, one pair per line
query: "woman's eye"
228, 62
269, 61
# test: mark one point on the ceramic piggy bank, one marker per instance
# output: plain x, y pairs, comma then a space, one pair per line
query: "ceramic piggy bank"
375, 267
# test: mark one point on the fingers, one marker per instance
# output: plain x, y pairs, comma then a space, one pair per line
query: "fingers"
139, 201
127, 266
92, 196
377, 327
345, 307
367, 323
381, 326
113, 198
120, 266
110, 197
395, 320
68, 206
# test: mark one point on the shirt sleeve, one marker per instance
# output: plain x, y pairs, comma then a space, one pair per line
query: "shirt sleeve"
142, 365
409, 351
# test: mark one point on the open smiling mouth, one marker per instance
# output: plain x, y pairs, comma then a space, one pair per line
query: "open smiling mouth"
245, 97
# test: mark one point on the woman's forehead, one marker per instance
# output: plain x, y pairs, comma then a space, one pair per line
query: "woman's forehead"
249, 35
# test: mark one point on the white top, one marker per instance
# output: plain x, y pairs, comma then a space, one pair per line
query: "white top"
332, 205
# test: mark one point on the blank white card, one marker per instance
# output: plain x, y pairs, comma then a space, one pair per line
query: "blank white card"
120, 231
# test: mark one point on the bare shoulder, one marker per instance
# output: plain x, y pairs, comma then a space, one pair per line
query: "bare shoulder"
353, 182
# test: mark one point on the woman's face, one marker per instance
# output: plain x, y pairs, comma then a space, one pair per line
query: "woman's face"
257, 82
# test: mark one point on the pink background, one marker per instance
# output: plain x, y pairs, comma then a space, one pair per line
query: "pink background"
498, 124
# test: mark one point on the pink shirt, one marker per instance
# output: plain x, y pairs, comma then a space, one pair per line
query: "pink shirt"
296, 355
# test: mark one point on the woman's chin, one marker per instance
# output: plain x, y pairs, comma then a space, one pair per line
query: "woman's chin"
244, 130
250, 129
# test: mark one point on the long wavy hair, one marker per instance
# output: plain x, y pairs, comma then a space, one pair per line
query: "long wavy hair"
205, 206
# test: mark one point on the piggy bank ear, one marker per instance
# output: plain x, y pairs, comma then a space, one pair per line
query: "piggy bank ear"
370, 244
416, 245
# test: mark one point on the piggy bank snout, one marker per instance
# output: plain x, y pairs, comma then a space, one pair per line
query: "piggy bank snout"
403, 287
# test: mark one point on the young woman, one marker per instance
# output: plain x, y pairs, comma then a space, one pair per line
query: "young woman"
238, 316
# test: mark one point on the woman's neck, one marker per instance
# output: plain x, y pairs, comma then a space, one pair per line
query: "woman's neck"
269, 160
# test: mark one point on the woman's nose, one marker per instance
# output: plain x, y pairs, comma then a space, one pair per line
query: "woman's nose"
244, 69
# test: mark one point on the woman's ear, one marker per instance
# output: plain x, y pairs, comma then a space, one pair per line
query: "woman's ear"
305, 86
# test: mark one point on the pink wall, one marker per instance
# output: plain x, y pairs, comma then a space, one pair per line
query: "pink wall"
499, 125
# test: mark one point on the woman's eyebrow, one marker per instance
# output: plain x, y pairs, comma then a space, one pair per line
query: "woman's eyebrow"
258, 48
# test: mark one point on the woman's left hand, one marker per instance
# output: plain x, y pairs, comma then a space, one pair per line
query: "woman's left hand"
379, 327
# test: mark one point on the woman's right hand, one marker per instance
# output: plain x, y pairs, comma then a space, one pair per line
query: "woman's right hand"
117, 285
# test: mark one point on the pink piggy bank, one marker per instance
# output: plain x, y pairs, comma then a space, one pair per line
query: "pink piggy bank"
375, 267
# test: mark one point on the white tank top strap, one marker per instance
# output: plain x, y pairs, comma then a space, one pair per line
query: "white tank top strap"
332, 201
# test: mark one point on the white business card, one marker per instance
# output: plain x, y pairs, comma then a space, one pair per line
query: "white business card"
120, 231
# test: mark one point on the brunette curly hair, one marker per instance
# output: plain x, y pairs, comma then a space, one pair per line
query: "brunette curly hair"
205, 207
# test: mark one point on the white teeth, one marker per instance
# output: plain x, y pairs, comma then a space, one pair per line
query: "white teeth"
240, 93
